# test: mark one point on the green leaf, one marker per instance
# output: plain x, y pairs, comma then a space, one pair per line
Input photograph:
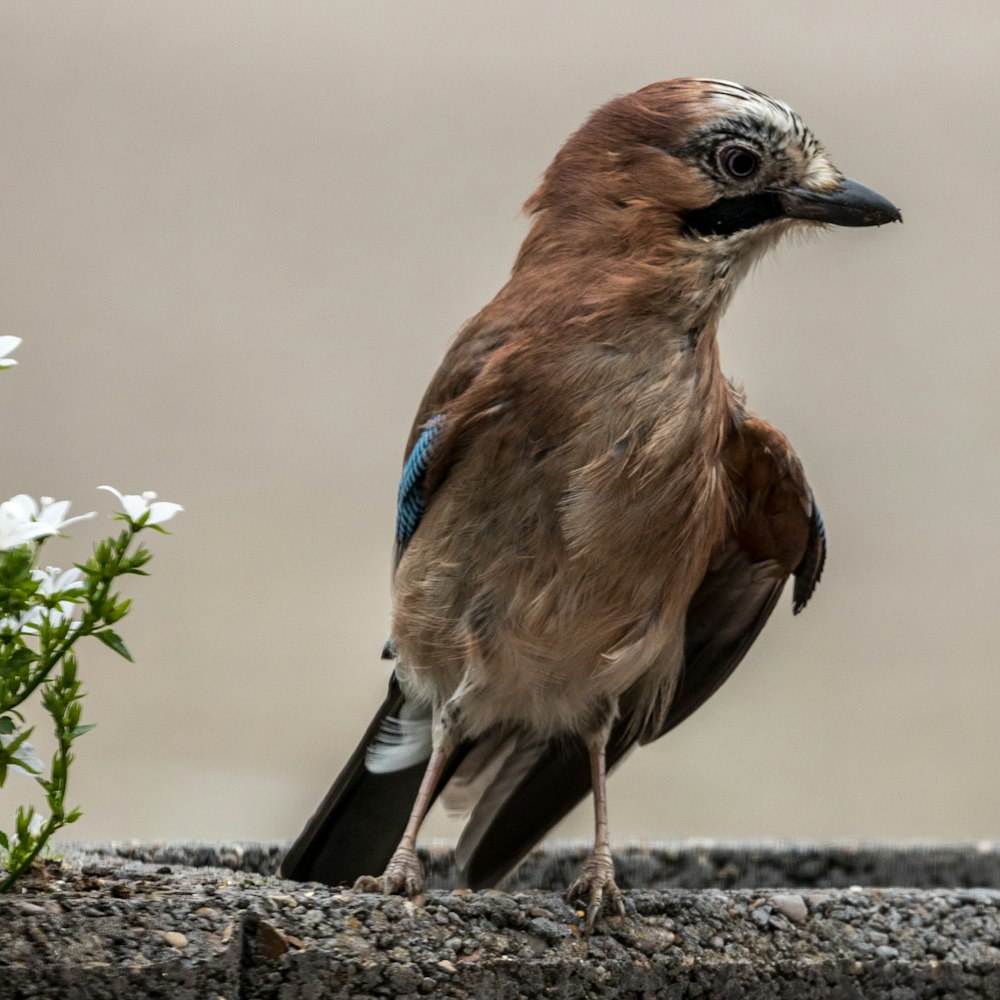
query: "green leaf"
114, 641
6, 725
118, 610
80, 730
18, 659
9, 753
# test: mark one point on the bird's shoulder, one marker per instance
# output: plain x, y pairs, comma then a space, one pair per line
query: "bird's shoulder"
774, 518
472, 373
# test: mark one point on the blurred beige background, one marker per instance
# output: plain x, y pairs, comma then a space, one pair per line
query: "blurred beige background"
237, 238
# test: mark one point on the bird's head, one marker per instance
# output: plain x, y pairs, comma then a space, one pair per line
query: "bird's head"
698, 175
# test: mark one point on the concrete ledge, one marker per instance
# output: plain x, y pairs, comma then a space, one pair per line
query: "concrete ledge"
209, 921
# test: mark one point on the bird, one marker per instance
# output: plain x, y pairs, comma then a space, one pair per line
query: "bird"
592, 526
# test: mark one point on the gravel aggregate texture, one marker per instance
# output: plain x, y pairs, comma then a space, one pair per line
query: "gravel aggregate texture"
211, 921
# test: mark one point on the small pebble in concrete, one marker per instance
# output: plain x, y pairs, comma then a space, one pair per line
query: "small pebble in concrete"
792, 906
175, 939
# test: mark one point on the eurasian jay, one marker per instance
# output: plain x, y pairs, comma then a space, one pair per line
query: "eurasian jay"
592, 527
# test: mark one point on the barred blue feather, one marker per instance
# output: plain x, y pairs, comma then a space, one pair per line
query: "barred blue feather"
411, 502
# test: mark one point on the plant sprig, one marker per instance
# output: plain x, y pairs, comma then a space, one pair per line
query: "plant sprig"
43, 615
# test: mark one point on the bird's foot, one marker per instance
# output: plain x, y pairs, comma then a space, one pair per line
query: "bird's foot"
595, 885
403, 876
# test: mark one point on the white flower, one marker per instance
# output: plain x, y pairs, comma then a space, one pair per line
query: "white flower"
53, 580
26, 621
53, 513
17, 529
8, 344
137, 505
29, 761
30, 621
23, 520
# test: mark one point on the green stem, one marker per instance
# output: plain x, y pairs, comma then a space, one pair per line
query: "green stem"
29, 859
65, 696
86, 626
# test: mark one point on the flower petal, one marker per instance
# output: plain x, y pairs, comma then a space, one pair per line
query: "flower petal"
111, 489
71, 579
29, 762
22, 506
11, 536
52, 513
7, 344
162, 511
133, 505
78, 517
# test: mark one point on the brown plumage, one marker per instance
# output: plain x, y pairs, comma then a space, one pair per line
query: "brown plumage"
593, 529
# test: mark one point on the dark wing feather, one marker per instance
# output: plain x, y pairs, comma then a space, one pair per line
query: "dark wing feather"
360, 821
810, 569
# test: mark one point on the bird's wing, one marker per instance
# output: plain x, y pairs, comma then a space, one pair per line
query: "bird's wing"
455, 400
776, 531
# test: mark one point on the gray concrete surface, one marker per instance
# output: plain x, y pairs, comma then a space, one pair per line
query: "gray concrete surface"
666, 865
179, 921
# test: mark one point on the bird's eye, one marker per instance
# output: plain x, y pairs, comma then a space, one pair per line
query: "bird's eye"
739, 162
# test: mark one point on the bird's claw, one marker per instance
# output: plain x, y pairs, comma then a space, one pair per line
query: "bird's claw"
403, 876
597, 887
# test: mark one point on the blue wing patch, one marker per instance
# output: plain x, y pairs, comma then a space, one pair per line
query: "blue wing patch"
411, 504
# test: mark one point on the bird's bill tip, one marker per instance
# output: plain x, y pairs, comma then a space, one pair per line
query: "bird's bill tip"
852, 204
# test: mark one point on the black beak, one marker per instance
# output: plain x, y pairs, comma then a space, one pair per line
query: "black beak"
851, 205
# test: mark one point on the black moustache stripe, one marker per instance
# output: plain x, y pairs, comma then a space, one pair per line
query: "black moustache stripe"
732, 215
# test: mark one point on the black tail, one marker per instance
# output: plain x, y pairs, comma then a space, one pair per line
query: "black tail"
360, 821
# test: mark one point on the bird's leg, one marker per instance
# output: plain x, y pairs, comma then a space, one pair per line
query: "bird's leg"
596, 882
404, 875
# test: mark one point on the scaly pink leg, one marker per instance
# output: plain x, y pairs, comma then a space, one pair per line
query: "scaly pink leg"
596, 882
404, 874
